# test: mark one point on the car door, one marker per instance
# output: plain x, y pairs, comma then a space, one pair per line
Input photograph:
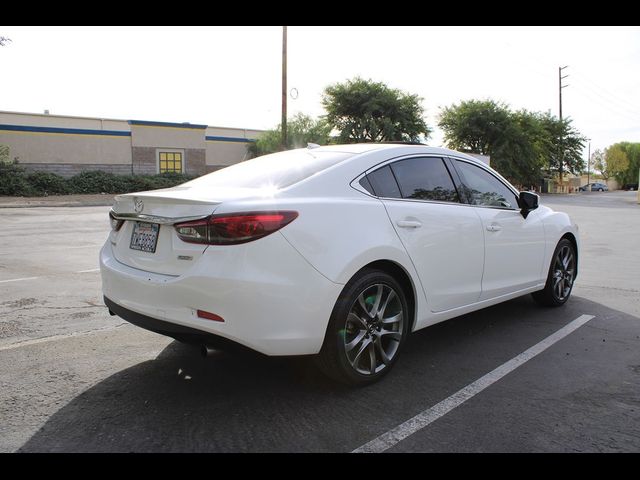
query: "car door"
443, 238
514, 245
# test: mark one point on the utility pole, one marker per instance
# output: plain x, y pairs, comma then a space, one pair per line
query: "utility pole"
284, 88
589, 163
560, 87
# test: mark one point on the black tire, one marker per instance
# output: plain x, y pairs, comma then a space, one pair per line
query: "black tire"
601, 190
350, 320
560, 278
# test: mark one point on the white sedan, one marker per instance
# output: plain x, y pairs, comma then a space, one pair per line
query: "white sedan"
338, 252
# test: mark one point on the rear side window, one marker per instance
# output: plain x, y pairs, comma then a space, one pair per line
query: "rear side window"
383, 183
425, 178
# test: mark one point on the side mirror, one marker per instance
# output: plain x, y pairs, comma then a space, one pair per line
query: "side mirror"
528, 201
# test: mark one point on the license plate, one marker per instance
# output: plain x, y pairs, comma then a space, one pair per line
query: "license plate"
144, 237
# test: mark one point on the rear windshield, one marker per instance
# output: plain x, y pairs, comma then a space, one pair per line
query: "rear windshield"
278, 170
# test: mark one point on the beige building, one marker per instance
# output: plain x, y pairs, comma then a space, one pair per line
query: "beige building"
68, 145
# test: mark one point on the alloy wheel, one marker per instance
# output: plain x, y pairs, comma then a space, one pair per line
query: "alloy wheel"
373, 329
563, 273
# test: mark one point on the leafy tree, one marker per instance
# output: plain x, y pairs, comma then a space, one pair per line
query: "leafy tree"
617, 162
515, 141
475, 126
521, 144
367, 111
632, 151
301, 129
598, 163
565, 146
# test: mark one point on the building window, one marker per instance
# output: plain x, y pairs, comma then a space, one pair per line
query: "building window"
170, 162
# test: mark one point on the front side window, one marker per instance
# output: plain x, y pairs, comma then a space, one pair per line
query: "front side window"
425, 178
484, 189
170, 162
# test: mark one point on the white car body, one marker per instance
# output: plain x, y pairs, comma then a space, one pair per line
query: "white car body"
276, 294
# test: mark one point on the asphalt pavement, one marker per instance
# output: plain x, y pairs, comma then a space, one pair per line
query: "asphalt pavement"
74, 379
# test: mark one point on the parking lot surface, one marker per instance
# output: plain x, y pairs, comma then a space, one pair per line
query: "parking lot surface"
74, 379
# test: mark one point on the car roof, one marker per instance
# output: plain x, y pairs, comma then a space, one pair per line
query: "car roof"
358, 148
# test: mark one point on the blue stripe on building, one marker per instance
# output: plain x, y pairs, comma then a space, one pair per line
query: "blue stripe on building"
68, 131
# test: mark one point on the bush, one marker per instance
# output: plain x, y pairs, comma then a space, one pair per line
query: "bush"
96, 182
13, 180
16, 181
45, 183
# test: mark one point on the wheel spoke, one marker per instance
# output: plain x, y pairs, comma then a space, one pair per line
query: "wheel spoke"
391, 320
372, 358
376, 304
353, 343
397, 336
363, 304
356, 320
380, 313
363, 347
383, 355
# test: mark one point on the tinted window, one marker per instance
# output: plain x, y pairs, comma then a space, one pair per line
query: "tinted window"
383, 183
425, 179
278, 170
364, 181
482, 188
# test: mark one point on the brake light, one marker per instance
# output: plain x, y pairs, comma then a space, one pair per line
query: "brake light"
233, 228
115, 223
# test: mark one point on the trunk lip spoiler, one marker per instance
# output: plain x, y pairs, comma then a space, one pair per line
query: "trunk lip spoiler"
143, 217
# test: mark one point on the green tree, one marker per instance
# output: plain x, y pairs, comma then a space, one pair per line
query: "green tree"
301, 129
515, 141
614, 163
565, 145
475, 126
632, 151
597, 162
367, 111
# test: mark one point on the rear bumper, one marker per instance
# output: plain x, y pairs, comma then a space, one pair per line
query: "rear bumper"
179, 332
272, 301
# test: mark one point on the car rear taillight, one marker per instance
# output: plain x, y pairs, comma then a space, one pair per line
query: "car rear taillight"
233, 228
115, 223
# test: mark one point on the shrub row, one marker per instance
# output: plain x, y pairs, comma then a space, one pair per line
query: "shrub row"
15, 180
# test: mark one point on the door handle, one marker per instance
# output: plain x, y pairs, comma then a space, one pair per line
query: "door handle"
494, 228
408, 223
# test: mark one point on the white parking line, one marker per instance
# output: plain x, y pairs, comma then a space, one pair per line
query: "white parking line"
54, 338
89, 271
18, 279
420, 421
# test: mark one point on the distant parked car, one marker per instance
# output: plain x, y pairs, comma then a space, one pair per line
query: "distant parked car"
594, 187
630, 186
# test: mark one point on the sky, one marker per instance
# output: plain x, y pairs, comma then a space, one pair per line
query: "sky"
231, 76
